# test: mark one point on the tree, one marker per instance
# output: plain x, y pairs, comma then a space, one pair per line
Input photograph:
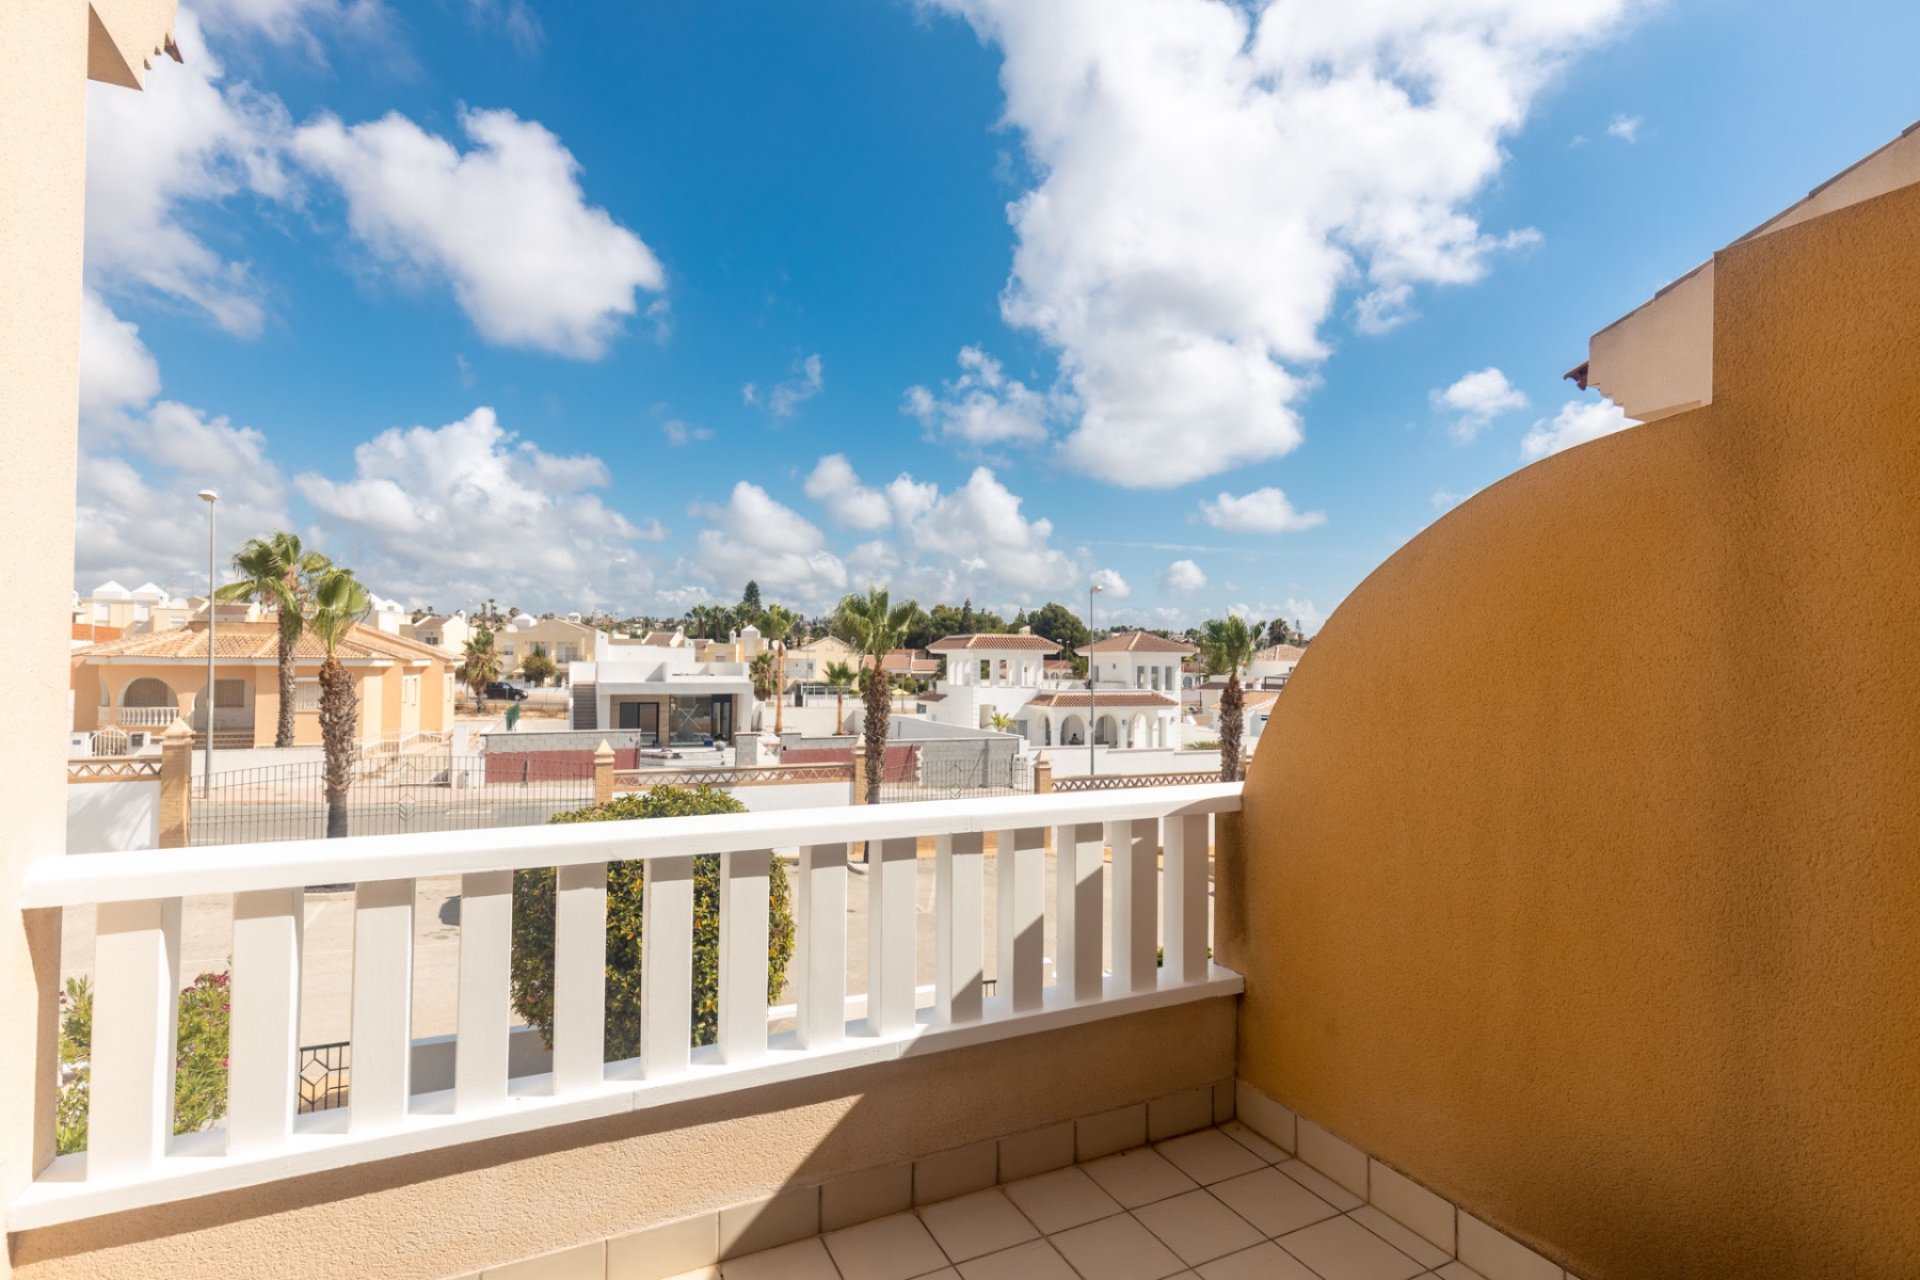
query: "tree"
1061, 625
873, 625
1228, 645
275, 572
539, 666
841, 677
479, 665
761, 671
339, 602
1001, 721
533, 911
777, 624
750, 601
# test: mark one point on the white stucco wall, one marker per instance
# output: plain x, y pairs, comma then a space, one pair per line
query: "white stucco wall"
105, 817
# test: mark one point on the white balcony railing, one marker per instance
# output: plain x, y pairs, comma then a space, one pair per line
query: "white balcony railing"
146, 717
1157, 837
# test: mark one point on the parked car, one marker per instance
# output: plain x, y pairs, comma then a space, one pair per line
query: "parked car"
502, 691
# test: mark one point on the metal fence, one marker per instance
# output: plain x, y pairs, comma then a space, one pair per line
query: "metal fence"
1128, 781
389, 795
957, 770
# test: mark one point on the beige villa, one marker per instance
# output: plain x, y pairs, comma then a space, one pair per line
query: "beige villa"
143, 683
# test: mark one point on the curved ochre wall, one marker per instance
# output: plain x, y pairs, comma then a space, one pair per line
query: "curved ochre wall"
1581, 869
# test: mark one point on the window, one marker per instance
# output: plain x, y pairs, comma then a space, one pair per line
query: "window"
142, 613
306, 695
986, 671
409, 691
639, 717
229, 693
448, 695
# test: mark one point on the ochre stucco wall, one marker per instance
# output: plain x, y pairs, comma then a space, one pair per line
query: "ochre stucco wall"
454, 1211
1582, 856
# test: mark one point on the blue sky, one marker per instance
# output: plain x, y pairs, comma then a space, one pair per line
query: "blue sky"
472, 292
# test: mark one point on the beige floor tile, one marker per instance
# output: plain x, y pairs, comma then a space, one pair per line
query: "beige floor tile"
698, 1273
1061, 1199
1035, 1260
671, 1249
1273, 1202
1321, 1185
1209, 1156
1253, 1142
1117, 1248
1197, 1227
1139, 1177
801, 1260
970, 1226
1342, 1249
892, 1248
1405, 1239
1262, 1262
1110, 1131
955, 1173
1458, 1271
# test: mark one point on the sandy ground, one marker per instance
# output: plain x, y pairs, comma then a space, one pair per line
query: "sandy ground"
327, 980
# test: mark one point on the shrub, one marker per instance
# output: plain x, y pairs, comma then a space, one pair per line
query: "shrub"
200, 1060
533, 925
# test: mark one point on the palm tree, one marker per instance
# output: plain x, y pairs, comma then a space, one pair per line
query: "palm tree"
275, 572
1228, 645
339, 602
874, 625
761, 671
1001, 721
776, 626
840, 676
479, 666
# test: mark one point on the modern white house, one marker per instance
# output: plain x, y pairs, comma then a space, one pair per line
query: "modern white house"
663, 692
1274, 663
1134, 701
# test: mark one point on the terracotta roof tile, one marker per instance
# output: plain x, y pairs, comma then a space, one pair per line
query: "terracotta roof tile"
261, 640
1003, 640
1117, 698
1138, 642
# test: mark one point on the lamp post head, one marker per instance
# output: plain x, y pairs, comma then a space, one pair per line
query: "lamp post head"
209, 496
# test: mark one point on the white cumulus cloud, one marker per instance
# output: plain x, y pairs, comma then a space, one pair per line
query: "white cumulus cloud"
505, 224
1262, 511
1184, 576
1626, 128
191, 139
753, 536
1111, 584
1475, 400
982, 406
1216, 176
469, 510
1577, 422
806, 382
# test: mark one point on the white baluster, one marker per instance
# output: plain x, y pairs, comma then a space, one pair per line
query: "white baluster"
136, 994
580, 977
382, 1062
891, 910
264, 1039
1020, 885
744, 889
1184, 910
666, 967
1080, 871
820, 948
1134, 921
485, 1008
960, 921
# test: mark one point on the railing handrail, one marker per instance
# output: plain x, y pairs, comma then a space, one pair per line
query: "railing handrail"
78, 880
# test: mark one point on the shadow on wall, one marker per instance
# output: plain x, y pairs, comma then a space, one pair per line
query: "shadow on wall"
1602, 917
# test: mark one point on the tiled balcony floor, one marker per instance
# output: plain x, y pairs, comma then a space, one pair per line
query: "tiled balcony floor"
1221, 1204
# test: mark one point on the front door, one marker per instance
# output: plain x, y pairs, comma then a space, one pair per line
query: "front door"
723, 718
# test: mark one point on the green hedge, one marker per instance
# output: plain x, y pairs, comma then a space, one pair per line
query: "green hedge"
533, 925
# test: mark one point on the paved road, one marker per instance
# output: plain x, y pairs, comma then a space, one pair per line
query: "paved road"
326, 982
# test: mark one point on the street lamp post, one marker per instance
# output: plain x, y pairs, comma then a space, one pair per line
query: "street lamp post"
1093, 696
209, 497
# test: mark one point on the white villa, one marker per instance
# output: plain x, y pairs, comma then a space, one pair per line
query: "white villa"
1134, 702
112, 610
664, 691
